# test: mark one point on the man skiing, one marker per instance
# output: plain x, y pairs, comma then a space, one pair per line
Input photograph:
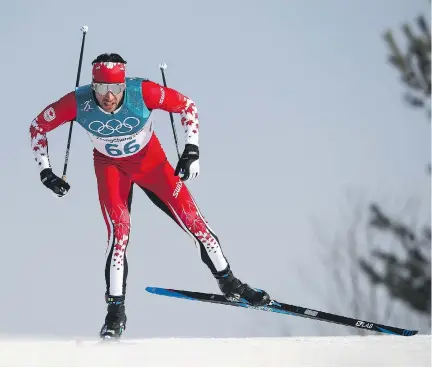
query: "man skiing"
115, 111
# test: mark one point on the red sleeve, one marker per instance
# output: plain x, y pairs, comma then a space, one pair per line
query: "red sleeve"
156, 96
57, 113
50, 118
159, 97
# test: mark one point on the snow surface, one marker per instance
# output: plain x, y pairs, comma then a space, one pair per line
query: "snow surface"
380, 350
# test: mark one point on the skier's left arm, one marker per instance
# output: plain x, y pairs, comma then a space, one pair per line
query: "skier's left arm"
167, 99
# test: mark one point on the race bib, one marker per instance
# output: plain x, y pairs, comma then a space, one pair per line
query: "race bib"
121, 146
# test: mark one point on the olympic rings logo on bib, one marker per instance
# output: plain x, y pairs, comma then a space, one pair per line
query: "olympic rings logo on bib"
114, 126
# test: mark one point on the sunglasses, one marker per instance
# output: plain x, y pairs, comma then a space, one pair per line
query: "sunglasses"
103, 88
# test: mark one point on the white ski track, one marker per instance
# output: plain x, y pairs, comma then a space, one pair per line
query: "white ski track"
324, 351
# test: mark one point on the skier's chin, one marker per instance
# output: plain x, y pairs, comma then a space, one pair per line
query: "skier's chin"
109, 106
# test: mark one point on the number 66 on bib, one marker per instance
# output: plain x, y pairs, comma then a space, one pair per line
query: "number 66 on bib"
122, 149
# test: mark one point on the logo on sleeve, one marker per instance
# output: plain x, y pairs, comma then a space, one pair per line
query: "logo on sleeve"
162, 97
49, 114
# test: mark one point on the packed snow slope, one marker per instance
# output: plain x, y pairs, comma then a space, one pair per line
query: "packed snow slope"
380, 350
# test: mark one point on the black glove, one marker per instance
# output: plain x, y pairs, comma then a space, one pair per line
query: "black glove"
53, 182
188, 165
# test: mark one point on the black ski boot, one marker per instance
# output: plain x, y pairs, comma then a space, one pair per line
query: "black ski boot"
236, 291
115, 320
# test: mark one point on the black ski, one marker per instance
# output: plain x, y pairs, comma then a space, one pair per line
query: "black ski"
283, 308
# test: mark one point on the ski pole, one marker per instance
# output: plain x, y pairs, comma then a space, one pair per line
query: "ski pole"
84, 30
162, 67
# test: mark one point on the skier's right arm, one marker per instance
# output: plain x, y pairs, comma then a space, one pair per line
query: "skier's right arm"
54, 115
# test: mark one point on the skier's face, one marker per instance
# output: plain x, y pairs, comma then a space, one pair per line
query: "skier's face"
109, 101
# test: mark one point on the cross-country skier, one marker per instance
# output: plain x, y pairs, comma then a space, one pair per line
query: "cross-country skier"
115, 111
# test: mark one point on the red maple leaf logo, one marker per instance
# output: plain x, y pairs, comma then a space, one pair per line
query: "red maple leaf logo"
42, 142
33, 131
36, 148
190, 109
